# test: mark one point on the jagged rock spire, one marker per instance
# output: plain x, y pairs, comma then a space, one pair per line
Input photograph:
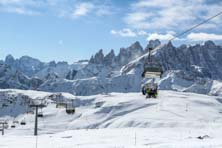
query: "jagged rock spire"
109, 59
152, 44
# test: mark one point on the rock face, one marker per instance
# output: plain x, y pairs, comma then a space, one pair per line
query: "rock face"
125, 56
12, 78
152, 44
128, 54
9, 59
110, 59
205, 59
29, 66
71, 74
98, 58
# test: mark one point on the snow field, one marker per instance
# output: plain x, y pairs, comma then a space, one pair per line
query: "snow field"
124, 120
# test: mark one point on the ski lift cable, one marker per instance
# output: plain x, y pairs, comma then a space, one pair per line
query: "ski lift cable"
186, 31
196, 26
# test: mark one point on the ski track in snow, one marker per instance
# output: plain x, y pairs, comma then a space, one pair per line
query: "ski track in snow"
124, 120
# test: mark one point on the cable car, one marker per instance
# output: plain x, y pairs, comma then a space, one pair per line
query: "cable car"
61, 105
13, 126
98, 104
23, 122
40, 114
70, 109
15, 122
152, 69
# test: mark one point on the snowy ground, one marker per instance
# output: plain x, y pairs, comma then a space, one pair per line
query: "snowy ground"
175, 119
119, 138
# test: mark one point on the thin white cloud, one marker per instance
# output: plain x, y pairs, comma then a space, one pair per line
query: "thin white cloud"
82, 9
171, 32
138, 19
142, 33
126, 32
152, 3
90, 8
24, 7
204, 36
162, 37
64, 8
22, 11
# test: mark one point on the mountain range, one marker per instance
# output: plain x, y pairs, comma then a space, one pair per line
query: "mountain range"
195, 68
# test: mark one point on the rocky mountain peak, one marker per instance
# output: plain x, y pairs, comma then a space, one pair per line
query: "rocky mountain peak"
9, 59
169, 44
99, 57
111, 54
136, 45
109, 59
52, 64
91, 59
27, 60
152, 44
135, 50
122, 51
209, 44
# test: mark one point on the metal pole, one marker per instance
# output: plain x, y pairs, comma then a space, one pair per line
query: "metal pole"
36, 121
3, 128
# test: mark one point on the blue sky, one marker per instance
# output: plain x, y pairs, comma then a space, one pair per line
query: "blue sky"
71, 30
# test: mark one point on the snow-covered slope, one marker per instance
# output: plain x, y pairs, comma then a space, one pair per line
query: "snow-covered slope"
119, 110
173, 119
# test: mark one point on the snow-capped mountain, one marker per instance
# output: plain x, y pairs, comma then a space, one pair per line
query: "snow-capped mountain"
195, 68
102, 74
12, 78
32, 67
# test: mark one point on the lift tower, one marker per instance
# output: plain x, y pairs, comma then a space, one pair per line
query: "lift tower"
36, 106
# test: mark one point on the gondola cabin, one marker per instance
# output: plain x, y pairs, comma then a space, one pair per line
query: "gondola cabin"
152, 68
99, 104
40, 115
15, 122
23, 122
61, 105
13, 126
70, 110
